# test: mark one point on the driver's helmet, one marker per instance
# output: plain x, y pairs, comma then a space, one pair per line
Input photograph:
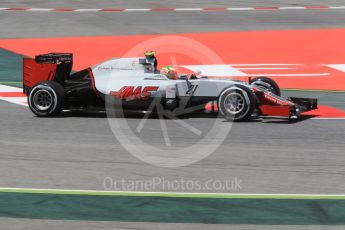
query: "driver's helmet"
170, 72
150, 56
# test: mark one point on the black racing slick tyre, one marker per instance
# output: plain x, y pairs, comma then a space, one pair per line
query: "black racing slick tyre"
46, 99
268, 84
236, 103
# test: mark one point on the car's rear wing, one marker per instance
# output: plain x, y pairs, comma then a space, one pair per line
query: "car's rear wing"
51, 66
54, 58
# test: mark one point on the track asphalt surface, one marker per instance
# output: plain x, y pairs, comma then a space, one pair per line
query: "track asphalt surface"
73, 152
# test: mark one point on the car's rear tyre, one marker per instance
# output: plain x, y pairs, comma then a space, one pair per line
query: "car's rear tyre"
236, 103
267, 83
46, 99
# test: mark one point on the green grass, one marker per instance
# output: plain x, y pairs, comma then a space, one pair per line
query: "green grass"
173, 207
10, 67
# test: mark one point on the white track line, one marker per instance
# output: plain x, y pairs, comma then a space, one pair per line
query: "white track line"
276, 64
215, 70
263, 68
291, 75
339, 67
210, 9
328, 118
15, 100
188, 9
292, 8
337, 7
6, 88
40, 9
143, 193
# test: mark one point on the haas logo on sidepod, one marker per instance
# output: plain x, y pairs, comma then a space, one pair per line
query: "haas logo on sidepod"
134, 93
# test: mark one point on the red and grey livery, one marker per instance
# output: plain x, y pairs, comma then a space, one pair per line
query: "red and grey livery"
135, 84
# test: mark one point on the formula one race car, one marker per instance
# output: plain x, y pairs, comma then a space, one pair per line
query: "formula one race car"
136, 84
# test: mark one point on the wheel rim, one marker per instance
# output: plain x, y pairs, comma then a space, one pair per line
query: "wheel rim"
234, 103
42, 99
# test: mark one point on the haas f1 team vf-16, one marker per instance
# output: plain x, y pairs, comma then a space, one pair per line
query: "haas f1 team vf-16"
135, 83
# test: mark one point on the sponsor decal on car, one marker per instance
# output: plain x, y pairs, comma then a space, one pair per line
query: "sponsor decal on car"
130, 93
277, 100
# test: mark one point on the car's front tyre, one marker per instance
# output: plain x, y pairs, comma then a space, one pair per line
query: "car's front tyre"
268, 84
46, 99
236, 103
